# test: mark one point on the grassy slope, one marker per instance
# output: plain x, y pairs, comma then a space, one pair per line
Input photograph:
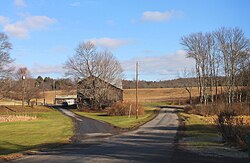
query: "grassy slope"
125, 121
198, 131
50, 128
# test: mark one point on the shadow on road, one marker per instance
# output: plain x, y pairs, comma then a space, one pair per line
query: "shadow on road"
138, 147
172, 106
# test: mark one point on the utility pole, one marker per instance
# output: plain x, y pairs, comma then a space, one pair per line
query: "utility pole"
136, 94
23, 90
55, 90
43, 94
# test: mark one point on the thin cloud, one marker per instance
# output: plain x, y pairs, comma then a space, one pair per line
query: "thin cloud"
59, 49
75, 4
21, 28
47, 69
149, 51
4, 20
20, 3
110, 22
165, 66
157, 16
109, 42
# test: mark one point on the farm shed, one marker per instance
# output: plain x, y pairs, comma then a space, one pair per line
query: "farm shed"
70, 99
95, 92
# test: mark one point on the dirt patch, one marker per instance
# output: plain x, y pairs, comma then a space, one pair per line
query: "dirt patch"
10, 157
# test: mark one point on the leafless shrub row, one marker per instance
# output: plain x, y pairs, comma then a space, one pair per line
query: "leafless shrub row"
124, 108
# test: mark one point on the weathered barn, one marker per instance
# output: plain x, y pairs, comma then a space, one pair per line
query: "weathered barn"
95, 92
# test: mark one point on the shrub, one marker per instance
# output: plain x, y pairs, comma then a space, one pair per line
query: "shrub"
217, 108
232, 128
123, 108
188, 108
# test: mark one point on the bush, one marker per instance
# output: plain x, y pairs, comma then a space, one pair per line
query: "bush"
189, 108
123, 108
217, 108
232, 129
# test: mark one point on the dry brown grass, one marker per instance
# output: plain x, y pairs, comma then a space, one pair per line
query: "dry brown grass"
145, 95
14, 118
158, 94
50, 95
18, 109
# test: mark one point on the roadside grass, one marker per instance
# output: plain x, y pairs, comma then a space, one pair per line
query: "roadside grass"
50, 128
125, 121
151, 105
199, 131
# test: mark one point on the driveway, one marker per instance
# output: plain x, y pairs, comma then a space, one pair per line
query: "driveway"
152, 142
89, 128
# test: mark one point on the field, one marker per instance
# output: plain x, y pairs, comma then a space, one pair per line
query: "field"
173, 95
50, 96
10, 102
49, 128
145, 95
159, 94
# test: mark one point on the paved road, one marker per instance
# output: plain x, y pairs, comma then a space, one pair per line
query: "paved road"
89, 128
152, 142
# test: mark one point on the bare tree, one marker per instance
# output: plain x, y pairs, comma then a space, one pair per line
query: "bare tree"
226, 49
88, 62
5, 64
31, 91
197, 48
188, 83
234, 46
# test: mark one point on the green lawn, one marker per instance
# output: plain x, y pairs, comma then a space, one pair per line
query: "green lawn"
199, 131
125, 121
49, 129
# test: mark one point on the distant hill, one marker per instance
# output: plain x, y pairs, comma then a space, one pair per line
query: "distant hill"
180, 82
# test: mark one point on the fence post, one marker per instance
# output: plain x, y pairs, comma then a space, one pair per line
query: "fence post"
248, 142
130, 110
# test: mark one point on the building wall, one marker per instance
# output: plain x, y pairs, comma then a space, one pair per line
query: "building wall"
95, 88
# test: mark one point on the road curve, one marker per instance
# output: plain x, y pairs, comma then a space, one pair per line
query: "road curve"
152, 142
88, 128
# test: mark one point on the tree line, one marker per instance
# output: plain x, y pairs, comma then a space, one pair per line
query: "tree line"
180, 82
224, 52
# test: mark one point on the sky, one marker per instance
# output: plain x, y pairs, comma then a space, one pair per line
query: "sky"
45, 33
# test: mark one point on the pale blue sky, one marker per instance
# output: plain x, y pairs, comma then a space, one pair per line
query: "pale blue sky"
44, 33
